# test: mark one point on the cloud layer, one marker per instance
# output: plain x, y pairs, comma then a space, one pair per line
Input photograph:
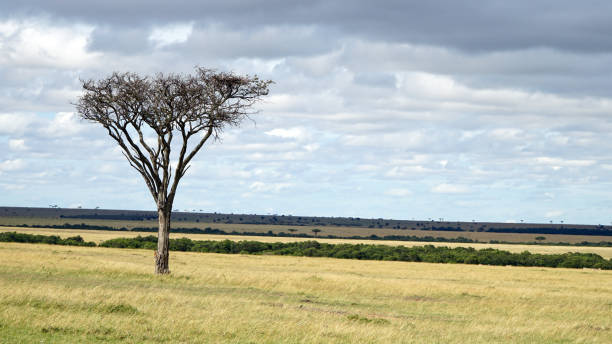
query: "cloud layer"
460, 110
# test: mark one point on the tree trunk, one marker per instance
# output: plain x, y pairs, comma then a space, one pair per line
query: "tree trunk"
163, 241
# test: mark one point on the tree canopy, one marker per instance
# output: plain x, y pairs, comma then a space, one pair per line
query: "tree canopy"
127, 104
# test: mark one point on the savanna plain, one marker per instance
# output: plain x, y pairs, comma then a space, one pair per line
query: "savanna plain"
61, 294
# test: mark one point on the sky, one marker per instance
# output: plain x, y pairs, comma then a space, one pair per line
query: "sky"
462, 110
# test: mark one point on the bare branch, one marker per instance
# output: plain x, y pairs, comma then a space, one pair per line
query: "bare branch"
131, 107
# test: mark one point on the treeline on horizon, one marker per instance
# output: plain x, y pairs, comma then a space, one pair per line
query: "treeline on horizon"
427, 253
599, 230
291, 220
209, 230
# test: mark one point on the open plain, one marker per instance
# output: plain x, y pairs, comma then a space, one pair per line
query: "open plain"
58, 294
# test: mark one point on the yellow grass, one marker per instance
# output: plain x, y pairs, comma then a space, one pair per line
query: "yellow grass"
57, 294
99, 236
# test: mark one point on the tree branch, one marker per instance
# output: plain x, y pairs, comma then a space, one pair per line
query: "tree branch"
185, 104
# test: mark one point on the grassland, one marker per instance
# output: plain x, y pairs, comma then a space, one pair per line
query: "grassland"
339, 231
56, 294
98, 236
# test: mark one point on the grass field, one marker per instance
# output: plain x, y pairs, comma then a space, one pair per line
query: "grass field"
325, 230
58, 294
99, 236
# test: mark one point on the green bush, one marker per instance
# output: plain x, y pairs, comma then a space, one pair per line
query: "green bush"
427, 253
148, 242
43, 239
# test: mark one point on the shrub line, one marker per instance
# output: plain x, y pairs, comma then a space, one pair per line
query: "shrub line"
427, 253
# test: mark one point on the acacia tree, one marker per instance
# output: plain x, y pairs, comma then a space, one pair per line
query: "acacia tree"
152, 117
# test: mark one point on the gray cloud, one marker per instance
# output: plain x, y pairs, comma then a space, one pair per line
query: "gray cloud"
468, 25
127, 40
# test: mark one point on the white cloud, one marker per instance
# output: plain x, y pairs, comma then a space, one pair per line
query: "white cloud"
15, 124
367, 168
297, 133
403, 139
559, 162
12, 165
450, 188
40, 43
268, 187
312, 147
430, 85
553, 213
109, 168
64, 124
8, 28
12, 187
171, 34
406, 171
398, 192
18, 145
506, 133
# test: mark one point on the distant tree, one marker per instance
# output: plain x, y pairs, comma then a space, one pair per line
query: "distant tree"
540, 238
316, 231
150, 117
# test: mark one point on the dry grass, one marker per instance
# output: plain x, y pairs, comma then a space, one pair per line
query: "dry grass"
56, 294
99, 236
325, 230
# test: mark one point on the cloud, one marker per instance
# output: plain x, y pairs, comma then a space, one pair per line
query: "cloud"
37, 43
473, 26
15, 124
450, 189
126, 41
171, 34
559, 162
385, 99
11, 187
553, 214
18, 145
12, 165
264, 42
398, 192
297, 133
262, 187
63, 124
